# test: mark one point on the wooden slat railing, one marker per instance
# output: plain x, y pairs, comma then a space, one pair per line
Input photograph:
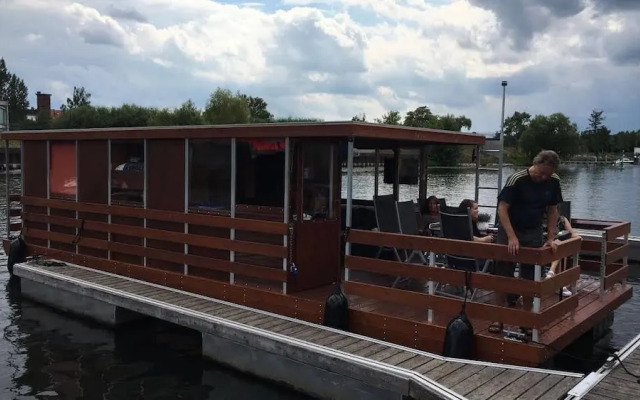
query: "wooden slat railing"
431, 301
279, 228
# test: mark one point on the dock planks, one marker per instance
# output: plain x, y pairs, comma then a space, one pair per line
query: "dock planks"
611, 381
469, 379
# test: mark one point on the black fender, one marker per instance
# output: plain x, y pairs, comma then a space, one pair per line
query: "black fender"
17, 253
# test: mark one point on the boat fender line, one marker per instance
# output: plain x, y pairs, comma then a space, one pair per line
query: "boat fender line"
458, 338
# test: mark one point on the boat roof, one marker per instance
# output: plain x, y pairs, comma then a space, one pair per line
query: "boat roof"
362, 132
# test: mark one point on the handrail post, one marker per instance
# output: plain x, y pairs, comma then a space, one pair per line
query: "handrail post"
574, 286
285, 212
625, 259
432, 286
603, 262
7, 186
232, 211
347, 246
536, 301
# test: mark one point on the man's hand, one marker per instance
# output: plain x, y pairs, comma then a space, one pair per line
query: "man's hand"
551, 243
513, 245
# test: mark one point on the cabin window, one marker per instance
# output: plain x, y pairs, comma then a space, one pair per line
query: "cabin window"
127, 172
62, 170
318, 180
260, 172
210, 174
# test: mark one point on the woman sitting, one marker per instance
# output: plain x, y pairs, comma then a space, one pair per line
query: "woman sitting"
477, 236
563, 225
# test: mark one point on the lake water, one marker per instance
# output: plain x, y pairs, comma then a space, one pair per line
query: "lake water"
43, 351
600, 192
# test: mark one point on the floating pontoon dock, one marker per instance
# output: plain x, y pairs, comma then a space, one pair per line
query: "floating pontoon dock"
311, 358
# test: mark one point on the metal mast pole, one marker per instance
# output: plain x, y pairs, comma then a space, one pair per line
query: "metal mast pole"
501, 154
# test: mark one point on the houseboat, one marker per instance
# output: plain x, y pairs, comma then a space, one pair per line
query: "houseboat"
265, 216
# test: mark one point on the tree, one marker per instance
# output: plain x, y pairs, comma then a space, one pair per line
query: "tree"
390, 118
555, 132
514, 127
4, 80
79, 98
422, 117
18, 99
359, 118
258, 109
224, 107
597, 138
596, 119
15, 92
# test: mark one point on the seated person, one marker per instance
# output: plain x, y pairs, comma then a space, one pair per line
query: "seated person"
477, 236
563, 225
432, 213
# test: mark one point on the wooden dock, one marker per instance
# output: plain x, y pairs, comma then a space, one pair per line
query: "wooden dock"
612, 381
308, 357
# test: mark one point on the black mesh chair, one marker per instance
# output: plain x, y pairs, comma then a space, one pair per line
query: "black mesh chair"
387, 220
409, 226
455, 223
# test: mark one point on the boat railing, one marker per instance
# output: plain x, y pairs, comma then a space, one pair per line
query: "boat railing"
196, 244
605, 250
543, 314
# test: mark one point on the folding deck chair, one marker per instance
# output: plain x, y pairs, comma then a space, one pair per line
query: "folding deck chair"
456, 224
387, 220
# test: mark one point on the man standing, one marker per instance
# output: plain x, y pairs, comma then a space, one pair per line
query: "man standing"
522, 204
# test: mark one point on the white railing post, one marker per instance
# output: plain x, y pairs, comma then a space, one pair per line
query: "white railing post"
536, 301
287, 185
347, 246
232, 231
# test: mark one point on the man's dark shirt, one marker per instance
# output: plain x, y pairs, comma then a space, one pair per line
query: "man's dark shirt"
528, 200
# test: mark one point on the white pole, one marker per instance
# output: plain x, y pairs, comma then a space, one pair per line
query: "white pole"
501, 154
347, 248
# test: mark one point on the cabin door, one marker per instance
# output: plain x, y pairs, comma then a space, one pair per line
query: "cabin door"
316, 184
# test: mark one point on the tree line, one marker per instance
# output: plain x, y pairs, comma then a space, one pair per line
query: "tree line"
524, 134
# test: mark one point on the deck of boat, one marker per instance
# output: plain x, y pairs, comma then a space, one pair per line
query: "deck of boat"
393, 322
370, 362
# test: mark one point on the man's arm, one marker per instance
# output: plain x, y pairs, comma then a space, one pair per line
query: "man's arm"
503, 214
552, 222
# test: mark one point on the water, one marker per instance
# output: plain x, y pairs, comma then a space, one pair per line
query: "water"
595, 192
43, 351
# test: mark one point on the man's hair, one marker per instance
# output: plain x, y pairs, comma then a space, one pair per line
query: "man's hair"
547, 157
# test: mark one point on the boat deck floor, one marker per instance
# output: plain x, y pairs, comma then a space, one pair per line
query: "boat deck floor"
463, 378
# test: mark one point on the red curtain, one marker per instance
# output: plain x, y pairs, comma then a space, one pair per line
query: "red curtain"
62, 168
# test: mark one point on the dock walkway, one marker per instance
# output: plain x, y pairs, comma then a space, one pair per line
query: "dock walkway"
311, 358
611, 381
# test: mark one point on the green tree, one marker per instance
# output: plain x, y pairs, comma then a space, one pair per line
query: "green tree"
79, 98
442, 155
359, 118
391, 118
4, 80
17, 94
224, 107
554, 132
258, 109
597, 138
514, 127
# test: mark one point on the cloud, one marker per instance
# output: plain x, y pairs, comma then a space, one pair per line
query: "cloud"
333, 59
126, 14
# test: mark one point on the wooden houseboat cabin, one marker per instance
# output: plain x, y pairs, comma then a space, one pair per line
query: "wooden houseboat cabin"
267, 216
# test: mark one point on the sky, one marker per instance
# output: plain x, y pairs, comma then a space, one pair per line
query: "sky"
333, 59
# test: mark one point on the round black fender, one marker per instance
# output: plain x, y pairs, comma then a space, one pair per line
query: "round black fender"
336, 310
17, 253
